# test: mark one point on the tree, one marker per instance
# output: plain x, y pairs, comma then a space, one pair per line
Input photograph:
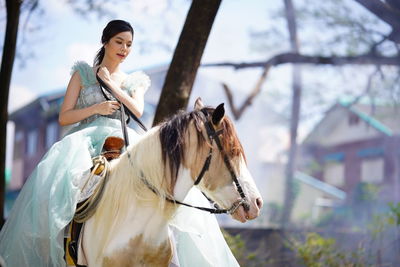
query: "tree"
10, 41
186, 60
363, 45
295, 115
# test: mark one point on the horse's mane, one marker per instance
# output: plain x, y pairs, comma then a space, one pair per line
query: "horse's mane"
157, 156
172, 139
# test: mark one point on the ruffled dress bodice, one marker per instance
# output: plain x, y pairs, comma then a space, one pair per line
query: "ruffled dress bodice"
90, 94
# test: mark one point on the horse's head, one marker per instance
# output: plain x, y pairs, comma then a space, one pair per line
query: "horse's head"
211, 153
228, 181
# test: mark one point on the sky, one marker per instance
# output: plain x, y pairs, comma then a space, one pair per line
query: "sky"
66, 37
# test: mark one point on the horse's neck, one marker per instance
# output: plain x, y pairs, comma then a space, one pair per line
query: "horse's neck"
183, 184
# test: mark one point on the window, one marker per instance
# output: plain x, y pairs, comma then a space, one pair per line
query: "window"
334, 173
51, 133
19, 136
353, 119
372, 170
32, 142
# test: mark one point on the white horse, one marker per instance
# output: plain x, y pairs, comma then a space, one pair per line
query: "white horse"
130, 226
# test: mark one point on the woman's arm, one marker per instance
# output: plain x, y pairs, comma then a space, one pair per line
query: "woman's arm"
68, 113
134, 103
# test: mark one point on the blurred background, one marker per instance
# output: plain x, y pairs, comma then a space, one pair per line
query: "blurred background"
313, 88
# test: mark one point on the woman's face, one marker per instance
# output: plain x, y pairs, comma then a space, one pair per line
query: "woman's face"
119, 46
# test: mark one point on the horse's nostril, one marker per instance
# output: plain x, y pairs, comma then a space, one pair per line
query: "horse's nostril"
259, 202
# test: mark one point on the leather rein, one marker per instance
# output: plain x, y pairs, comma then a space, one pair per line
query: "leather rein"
212, 136
108, 95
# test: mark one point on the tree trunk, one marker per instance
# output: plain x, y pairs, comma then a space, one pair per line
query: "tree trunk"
10, 43
186, 60
294, 118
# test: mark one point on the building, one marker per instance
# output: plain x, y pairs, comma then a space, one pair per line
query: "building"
356, 143
36, 128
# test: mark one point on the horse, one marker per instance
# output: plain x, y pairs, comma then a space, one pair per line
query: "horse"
148, 180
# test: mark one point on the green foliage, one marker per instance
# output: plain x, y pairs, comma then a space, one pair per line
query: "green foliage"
394, 214
236, 244
318, 251
380, 232
366, 193
238, 247
377, 226
325, 219
243, 254
357, 213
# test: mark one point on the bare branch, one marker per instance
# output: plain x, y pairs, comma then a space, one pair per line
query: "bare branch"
229, 95
238, 112
367, 88
385, 12
284, 58
34, 6
366, 59
373, 49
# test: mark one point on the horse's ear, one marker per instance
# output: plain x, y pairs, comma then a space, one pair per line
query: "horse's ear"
218, 114
198, 104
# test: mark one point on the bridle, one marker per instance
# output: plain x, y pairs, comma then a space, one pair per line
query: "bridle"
213, 136
126, 114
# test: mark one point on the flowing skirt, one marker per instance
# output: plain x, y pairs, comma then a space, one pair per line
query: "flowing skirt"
33, 233
198, 238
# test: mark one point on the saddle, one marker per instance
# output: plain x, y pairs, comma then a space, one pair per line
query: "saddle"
112, 147
111, 150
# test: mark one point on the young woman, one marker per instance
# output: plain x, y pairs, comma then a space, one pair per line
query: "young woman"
33, 233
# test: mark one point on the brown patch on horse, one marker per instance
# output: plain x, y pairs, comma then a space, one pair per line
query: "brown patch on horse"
230, 142
138, 253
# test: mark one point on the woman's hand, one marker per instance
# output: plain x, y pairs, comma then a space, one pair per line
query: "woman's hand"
106, 107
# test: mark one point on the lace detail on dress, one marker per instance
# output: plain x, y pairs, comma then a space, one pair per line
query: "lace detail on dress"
86, 72
91, 93
136, 82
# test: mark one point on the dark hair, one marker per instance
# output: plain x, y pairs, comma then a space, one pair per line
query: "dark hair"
113, 28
